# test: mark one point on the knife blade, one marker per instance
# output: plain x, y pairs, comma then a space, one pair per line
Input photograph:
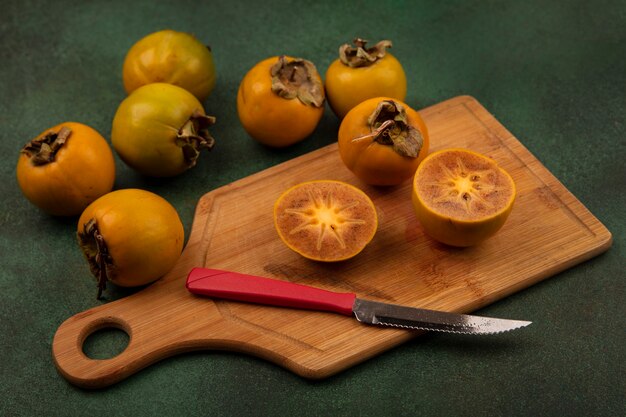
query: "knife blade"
253, 289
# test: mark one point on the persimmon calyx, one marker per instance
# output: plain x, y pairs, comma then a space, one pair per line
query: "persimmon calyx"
299, 79
194, 136
43, 150
360, 56
389, 126
95, 250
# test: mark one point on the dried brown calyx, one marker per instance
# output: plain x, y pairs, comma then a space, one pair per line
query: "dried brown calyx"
299, 79
389, 126
194, 136
95, 250
43, 150
359, 55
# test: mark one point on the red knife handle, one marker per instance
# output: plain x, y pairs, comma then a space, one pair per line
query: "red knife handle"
241, 287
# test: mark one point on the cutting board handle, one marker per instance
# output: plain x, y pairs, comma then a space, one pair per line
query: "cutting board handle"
167, 335
81, 370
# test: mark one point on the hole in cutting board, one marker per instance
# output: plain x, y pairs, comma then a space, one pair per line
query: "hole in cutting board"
105, 343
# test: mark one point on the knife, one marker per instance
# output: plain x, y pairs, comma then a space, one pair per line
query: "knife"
253, 289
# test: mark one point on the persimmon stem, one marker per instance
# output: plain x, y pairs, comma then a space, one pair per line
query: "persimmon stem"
389, 125
43, 150
360, 56
194, 136
380, 131
97, 253
299, 79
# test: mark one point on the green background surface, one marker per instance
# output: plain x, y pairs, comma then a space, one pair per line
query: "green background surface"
553, 73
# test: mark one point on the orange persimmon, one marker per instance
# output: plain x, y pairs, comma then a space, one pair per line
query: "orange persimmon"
461, 197
65, 168
130, 237
172, 57
361, 73
325, 220
382, 141
281, 100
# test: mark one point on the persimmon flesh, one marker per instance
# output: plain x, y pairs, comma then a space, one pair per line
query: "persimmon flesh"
325, 220
462, 197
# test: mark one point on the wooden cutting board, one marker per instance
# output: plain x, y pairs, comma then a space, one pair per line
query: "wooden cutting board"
548, 231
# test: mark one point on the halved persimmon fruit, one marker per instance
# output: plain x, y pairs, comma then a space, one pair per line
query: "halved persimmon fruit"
325, 220
461, 197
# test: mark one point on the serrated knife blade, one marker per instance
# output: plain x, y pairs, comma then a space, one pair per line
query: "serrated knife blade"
249, 288
385, 314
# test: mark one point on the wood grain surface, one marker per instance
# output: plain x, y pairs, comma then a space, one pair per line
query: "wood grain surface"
548, 231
